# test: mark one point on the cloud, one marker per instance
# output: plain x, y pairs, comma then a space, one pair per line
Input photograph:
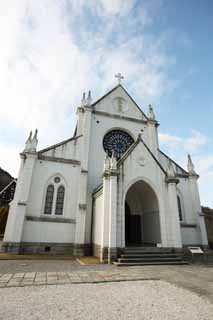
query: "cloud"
53, 50
190, 144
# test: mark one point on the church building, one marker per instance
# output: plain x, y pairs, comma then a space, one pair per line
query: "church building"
106, 188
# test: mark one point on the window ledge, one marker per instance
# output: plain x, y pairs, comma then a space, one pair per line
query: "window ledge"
50, 219
188, 225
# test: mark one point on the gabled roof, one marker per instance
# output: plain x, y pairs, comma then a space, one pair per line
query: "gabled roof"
113, 89
59, 144
133, 146
175, 163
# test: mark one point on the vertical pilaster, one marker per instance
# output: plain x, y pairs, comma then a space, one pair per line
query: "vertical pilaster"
112, 247
198, 216
83, 215
105, 220
14, 228
153, 132
109, 221
173, 222
174, 239
195, 200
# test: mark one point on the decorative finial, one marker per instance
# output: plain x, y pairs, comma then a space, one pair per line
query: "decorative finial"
89, 98
83, 100
170, 170
119, 77
28, 142
34, 141
113, 161
190, 166
151, 114
35, 134
31, 143
107, 163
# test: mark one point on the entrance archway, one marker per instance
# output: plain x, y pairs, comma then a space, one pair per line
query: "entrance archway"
142, 223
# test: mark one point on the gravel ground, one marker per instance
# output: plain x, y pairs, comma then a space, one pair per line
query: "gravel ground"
122, 300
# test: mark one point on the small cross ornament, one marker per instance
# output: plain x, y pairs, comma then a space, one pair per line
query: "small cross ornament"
119, 77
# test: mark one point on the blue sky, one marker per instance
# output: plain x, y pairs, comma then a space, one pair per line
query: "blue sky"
54, 50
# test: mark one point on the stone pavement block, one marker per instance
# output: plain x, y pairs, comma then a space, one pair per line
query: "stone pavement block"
6, 277
29, 275
18, 275
3, 284
13, 284
62, 281
40, 283
41, 273
26, 283
51, 274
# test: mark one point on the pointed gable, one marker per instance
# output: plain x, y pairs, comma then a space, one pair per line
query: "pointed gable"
140, 158
118, 102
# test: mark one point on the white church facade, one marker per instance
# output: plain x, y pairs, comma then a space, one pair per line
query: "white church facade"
106, 188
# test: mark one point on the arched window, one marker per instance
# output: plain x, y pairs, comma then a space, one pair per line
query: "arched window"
49, 199
180, 209
59, 201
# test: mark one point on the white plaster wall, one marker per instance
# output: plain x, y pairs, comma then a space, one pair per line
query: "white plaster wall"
69, 150
48, 232
189, 206
97, 153
150, 173
191, 236
109, 105
98, 219
43, 171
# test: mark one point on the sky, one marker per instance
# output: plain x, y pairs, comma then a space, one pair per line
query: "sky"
52, 51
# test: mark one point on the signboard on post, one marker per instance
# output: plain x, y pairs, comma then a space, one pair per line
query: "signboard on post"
196, 251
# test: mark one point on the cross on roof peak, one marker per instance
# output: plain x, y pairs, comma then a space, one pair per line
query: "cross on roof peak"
119, 77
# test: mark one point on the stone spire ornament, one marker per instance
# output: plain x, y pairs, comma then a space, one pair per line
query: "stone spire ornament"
31, 143
89, 98
28, 142
190, 167
113, 165
83, 100
107, 163
151, 114
170, 173
34, 141
170, 170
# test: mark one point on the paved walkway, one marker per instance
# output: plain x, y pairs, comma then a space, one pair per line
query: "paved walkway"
198, 279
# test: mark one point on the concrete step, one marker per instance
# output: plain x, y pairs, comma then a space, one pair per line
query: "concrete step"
134, 256
126, 264
152, 249
147, 259
153, 255
147, 250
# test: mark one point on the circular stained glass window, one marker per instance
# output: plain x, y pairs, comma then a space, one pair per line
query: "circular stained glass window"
118, 141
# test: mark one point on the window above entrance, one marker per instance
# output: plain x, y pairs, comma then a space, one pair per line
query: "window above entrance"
118, 141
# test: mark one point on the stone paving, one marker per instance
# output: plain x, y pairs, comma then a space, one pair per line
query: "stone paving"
196, 278
48, 278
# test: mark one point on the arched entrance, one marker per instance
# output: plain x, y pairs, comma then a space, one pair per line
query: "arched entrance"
142, 223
